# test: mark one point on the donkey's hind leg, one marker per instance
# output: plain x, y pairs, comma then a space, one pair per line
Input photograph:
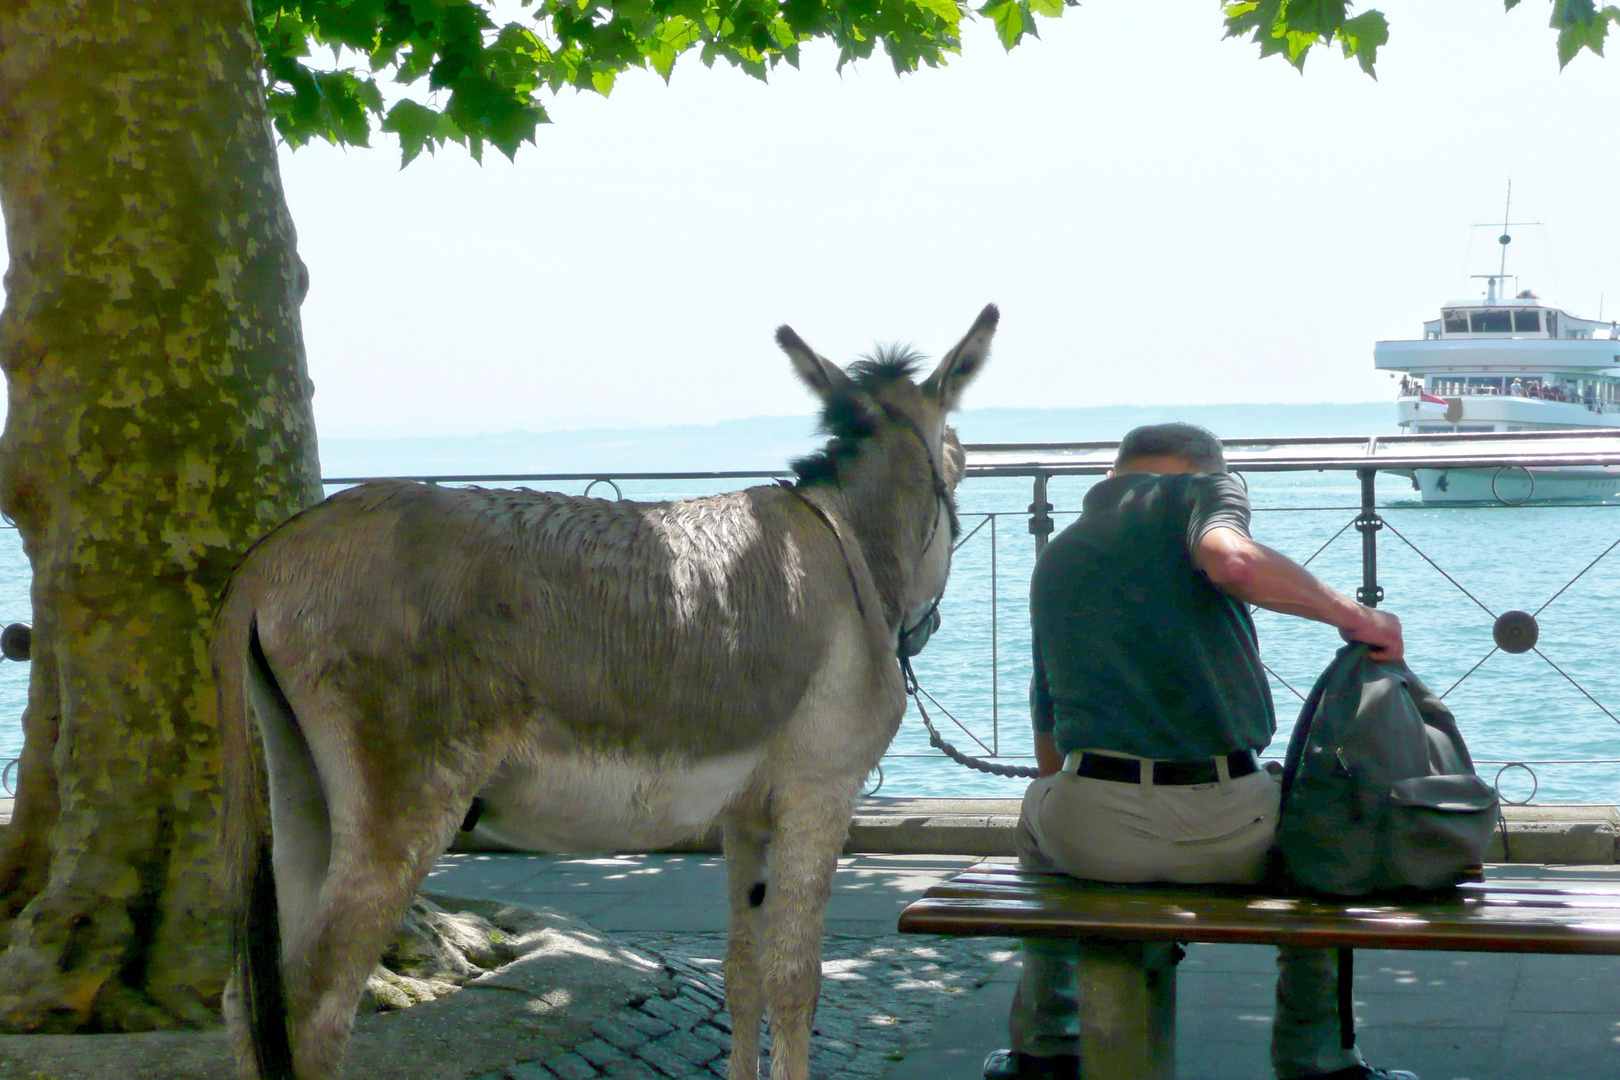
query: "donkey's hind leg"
810, 825
744, 842
374, 873
383, 841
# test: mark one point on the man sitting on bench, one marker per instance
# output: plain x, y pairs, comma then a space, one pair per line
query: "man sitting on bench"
1149, 704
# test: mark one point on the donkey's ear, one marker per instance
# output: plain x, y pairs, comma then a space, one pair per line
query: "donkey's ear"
962, 363
820, 374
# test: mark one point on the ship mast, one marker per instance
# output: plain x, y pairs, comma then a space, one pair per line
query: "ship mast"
1505, 239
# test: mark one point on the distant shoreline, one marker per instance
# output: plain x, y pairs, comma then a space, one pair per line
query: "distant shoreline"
770, 442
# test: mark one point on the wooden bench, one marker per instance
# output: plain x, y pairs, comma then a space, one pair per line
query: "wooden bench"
1127, 1029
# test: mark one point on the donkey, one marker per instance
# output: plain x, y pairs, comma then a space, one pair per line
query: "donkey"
600, 675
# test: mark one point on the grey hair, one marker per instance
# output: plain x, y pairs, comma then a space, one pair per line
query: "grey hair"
1196, 446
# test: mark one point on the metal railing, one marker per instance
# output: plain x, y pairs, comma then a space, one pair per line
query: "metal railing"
1041, 463
1513, 631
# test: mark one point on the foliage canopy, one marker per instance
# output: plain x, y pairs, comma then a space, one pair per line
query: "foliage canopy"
1290, 28
485, 79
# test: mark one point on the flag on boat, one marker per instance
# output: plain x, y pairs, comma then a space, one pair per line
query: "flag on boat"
1431, 403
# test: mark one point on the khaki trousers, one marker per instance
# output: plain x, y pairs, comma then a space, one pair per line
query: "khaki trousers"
1106, 830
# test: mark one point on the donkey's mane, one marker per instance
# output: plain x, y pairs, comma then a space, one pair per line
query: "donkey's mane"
850, 417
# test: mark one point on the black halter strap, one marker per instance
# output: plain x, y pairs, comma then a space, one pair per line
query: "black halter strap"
942, 491
838, 538
942, 496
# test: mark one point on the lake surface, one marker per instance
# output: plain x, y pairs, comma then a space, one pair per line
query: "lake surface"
1510, 707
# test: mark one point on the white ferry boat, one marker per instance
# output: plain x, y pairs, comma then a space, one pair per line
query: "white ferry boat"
1508, 364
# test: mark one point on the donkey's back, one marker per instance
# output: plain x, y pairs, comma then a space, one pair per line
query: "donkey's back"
690, 627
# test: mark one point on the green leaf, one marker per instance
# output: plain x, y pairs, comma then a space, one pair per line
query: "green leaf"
1292, 28
945, 10
1362, 37
416, 125
1008, 15
1581, 26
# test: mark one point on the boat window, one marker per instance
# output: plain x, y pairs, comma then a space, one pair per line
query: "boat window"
1492, 322
1552, 324
1527, 321
1456, 322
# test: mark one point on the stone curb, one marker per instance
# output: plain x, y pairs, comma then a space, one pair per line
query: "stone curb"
1552, 833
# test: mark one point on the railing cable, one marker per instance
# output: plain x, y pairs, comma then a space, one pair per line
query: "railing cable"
1573, 580
1443, 574
1576, 685
971, 534
1324, 547
1282, 680
1471, 670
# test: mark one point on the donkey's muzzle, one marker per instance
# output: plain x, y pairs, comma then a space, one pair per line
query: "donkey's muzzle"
914, 640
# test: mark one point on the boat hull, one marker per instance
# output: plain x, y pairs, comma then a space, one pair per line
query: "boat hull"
1517, 486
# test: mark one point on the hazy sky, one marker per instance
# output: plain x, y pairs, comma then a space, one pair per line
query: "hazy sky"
1162, 217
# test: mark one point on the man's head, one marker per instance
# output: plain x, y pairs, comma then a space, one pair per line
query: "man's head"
1169, 448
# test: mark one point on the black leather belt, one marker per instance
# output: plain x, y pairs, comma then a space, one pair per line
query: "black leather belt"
1168, 773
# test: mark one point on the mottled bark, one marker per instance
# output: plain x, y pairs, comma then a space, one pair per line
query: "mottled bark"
159, 423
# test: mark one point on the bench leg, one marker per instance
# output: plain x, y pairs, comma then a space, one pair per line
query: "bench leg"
1127, 996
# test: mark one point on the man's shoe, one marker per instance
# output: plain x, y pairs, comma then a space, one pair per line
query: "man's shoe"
1011, 1065
1360, 1072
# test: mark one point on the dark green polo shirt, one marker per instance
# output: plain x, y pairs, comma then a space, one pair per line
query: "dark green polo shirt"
1135, 650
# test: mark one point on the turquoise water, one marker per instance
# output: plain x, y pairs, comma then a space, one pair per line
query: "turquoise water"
1510, 708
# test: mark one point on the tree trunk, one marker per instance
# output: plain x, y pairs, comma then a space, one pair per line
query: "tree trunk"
159, 423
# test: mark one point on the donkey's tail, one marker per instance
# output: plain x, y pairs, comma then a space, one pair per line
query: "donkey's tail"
250, 875
258, 952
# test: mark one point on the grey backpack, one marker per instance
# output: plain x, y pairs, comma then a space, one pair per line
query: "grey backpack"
1378, 789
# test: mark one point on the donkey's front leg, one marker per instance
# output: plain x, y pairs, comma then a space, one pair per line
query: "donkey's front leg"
809, 830
744, 843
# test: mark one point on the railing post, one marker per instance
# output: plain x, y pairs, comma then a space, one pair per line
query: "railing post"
1368, 523
1040, 515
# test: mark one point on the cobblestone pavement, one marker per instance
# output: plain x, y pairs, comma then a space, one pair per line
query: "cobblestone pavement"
879, 995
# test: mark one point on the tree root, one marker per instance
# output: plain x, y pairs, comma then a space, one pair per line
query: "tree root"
438, 950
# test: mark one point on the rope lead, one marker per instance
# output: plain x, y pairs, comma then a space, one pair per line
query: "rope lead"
938, 742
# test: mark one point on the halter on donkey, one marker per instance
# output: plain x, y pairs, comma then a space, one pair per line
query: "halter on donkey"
601, 675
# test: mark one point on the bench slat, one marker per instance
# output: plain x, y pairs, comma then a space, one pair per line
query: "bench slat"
1513, 915
1000, 874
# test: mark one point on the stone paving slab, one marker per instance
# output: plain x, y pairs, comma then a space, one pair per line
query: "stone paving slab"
879, 997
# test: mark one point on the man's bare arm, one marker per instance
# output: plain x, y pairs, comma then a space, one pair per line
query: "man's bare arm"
1048, 758
1257, 575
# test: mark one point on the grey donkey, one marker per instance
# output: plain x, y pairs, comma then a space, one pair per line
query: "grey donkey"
600, 675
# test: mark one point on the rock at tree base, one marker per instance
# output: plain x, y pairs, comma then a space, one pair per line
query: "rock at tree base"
567, 978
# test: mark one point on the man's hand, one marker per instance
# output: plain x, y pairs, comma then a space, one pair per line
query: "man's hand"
1257, 575
1381, 630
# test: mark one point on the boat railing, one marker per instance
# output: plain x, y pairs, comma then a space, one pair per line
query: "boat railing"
1592, 402
980, 731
